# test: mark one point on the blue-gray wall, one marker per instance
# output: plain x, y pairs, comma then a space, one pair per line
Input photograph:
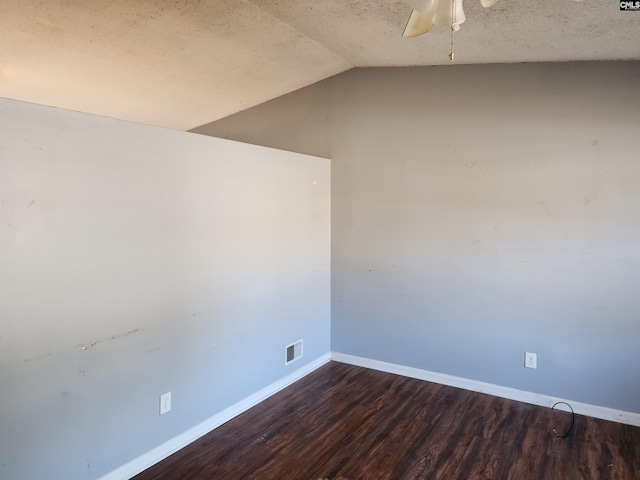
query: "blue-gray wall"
479, 212
134, 261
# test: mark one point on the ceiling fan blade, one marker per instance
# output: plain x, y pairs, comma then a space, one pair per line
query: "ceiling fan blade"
487, 3
419, 23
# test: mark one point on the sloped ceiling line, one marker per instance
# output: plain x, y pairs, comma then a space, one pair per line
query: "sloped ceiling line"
300, 32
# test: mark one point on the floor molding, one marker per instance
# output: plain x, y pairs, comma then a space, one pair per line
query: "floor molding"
605, 413
137, 465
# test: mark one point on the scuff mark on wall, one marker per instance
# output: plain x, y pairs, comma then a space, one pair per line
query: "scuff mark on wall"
114, 337
27, 360
546, 208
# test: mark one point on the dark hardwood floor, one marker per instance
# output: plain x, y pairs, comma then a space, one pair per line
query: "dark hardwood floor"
344, 422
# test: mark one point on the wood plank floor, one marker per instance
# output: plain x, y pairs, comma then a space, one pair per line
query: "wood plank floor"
345, 423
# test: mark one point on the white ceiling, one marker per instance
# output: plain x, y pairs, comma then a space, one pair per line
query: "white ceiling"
184, 63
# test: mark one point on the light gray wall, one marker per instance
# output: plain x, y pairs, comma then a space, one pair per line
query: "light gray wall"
136, 261
479, 212
301, 124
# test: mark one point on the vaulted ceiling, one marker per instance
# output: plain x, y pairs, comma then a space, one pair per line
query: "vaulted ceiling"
184, 63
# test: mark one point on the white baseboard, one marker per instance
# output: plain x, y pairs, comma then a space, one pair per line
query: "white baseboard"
605, 413
141, 463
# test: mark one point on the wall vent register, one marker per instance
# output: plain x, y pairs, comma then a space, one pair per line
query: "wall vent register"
292, 352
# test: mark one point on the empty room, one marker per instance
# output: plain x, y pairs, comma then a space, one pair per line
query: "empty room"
319, 240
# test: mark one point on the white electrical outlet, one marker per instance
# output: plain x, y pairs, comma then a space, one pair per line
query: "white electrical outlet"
530, 360
165, 403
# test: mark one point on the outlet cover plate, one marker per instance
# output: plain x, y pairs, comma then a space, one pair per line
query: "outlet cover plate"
530, 360
165, 403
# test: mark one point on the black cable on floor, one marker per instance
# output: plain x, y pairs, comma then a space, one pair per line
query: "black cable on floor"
573, 420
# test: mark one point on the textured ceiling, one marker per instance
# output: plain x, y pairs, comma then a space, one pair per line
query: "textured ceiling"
180, 64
